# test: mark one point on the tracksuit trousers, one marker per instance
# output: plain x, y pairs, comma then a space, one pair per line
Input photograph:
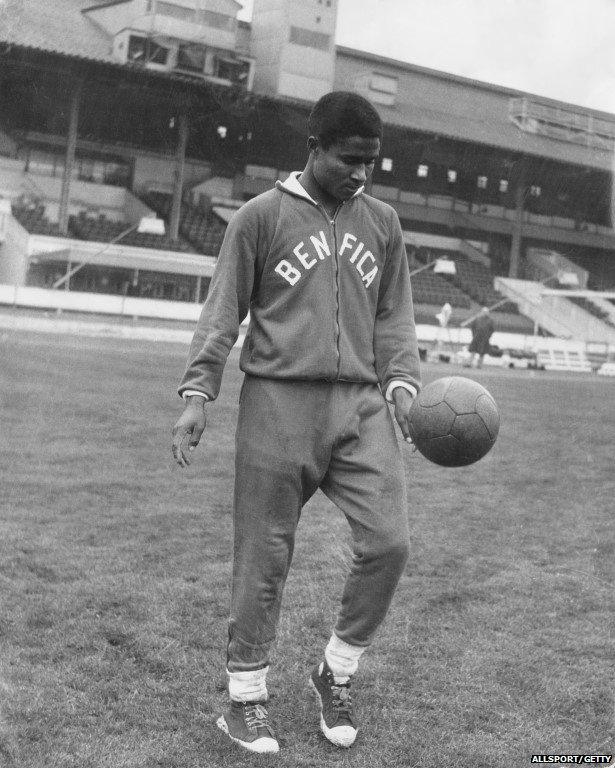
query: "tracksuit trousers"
292, 438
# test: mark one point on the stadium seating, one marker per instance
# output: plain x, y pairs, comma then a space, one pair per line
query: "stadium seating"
104, 230
476, 280
32, 216
588, 305
429, 288
204, 230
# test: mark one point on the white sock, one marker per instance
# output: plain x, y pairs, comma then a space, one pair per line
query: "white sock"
248, 686
342, 658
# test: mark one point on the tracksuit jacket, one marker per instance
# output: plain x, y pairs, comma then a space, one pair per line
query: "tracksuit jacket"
329, 298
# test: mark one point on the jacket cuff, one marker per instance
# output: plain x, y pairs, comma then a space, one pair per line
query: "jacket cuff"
404, 385
189, 392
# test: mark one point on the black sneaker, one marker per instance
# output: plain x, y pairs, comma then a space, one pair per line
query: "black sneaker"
247, 724
335, 707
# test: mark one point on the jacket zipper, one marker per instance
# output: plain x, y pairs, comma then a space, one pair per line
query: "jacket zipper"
337, 294
331, 223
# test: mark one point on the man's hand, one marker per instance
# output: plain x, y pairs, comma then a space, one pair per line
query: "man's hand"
192, 422
403, 400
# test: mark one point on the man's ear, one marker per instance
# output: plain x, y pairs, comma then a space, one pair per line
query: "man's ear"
312, 143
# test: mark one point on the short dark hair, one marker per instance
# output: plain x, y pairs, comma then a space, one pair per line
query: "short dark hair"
340, 114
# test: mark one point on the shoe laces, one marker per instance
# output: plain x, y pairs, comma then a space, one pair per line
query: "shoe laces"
256, 716
340, 696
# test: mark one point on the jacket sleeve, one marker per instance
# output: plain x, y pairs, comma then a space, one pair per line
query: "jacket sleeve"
226, 306
395, 344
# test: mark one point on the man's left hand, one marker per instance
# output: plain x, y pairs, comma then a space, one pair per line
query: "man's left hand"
402, 400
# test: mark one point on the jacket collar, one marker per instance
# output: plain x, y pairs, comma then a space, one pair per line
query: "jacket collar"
293, 186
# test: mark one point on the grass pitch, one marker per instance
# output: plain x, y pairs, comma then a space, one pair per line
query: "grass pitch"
115, 573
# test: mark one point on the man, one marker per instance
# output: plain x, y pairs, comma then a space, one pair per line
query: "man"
482, 329
322, 269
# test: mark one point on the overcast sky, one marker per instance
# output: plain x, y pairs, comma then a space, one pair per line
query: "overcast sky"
564, 49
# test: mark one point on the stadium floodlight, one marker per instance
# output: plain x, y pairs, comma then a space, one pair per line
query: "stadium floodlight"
440, 266
150, 225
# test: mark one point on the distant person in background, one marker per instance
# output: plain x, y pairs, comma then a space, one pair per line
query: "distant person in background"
482, 328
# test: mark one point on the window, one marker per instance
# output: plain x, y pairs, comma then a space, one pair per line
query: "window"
481, 182
176, 11
451, 175
141, 50
42, 163
382, 89
237, 71
86, 170
191, 57
503, 185
387, 164
310, 39
384, 83
218, 20
422, 171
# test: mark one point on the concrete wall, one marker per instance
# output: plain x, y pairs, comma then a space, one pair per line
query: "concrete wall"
284, 68
8, 145
13, 260
269, 29
120, 15
157, 173
100, 303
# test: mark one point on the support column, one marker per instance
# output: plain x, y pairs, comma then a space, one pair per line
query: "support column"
178, 183
69, 160
515, 244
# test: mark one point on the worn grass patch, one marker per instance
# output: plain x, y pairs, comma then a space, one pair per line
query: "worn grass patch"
115, 575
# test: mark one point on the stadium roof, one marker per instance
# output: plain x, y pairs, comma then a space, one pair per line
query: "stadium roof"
57, 26
60, 26
478, 112
460, 79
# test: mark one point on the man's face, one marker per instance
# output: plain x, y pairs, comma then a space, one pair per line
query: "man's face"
345, 166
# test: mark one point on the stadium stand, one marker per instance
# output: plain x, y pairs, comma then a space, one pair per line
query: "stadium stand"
429, 288
588, 305
102, 229
477, 281
202, 228
507, 182
32, 217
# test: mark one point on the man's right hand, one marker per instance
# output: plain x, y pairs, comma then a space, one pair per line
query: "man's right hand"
192, 422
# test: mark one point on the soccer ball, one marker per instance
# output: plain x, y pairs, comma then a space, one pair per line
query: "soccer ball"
454, 421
